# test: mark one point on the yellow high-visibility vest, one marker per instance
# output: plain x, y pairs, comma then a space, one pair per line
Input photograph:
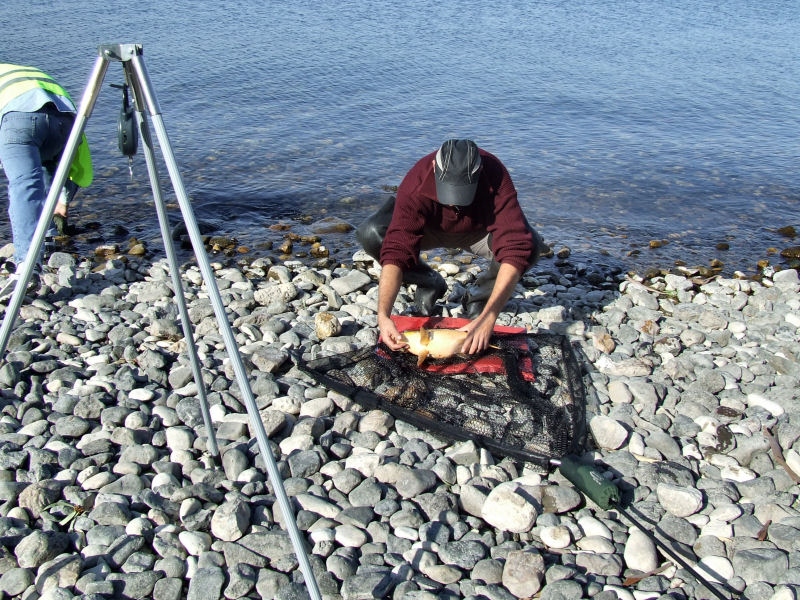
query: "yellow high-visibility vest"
16, 80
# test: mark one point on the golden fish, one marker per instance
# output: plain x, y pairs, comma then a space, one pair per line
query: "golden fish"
434, 343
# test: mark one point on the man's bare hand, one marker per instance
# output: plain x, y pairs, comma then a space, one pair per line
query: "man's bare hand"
389, 334
479, 332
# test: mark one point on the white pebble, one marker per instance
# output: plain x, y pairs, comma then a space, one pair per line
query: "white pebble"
507, 508
772, 407
678, 500
322, 535
793, 460
722, 461
716, 569
621, 592
294, 443
784, 592
608, 433
195, 542
717, 529
640, 552
593, 526
726, 513
707, 424
596, 544
691, 451
636, 444
555, 536
737, 327
350, 536
141, 394
737, 473
406, 533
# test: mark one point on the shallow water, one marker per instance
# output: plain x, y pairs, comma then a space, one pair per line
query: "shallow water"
621, 124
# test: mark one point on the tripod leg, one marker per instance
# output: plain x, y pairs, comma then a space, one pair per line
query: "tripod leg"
226, 331
169, 248
59, 179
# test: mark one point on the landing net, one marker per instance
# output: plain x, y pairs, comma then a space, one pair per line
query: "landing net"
524, 399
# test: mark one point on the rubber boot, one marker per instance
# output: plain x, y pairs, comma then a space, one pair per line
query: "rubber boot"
61, 224
430, 287
371, 232
478, 294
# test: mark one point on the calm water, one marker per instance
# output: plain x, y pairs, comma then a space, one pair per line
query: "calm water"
620, 123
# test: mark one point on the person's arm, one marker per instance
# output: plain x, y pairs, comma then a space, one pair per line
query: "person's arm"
62, 206
65, 197
480, 330
388, 288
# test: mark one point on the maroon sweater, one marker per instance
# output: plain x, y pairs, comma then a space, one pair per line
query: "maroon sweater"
495, 210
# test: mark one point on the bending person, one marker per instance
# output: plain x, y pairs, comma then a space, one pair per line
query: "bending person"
36, 117
459, 197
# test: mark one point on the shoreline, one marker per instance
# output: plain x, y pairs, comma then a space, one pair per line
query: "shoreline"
312, 239
691, 384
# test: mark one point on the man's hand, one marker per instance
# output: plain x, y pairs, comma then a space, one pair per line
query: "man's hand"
480, 330
389, 334
388, 287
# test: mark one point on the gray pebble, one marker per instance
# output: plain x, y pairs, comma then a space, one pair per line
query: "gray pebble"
102, 410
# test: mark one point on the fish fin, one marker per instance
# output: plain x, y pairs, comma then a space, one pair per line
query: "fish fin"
421, 357
424, 336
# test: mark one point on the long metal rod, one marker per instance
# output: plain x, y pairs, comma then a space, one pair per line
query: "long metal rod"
59, 179
169, 248
675, 556
225, 329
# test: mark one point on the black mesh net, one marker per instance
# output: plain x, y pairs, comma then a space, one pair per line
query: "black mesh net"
523, 398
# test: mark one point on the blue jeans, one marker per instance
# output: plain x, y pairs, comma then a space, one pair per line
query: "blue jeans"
30, 148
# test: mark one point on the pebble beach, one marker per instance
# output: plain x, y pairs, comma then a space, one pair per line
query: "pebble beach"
108, 489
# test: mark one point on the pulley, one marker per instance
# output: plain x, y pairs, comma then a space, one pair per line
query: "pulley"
127, 134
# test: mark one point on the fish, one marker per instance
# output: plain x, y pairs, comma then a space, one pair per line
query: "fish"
433, 343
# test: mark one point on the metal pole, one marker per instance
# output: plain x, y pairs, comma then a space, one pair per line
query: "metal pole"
169, 248
59, 179
225, 329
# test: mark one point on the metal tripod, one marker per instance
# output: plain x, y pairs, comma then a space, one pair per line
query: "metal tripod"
136, 76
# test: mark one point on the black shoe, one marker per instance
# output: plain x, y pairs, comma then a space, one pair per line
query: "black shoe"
478, 294
430, 287
425, 302
472, 309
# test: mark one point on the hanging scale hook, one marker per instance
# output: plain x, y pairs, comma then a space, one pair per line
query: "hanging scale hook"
128, 138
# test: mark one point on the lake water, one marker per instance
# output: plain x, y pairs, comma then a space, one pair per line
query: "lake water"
621, 123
